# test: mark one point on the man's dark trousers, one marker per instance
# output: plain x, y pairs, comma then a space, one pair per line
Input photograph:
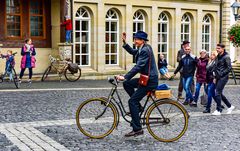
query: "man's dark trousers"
219, 93
135, 98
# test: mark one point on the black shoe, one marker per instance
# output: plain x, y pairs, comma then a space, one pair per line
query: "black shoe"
132, 133
222, 107
193, 104
185, 103
206, 111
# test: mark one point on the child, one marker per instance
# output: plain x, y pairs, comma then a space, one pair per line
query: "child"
10, 63
68, 27
162, 66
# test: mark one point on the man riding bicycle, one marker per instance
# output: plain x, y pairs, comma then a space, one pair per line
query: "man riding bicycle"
145, 65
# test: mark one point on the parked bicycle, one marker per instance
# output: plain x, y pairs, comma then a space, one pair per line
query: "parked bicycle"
10, 70
165, 119
72, 72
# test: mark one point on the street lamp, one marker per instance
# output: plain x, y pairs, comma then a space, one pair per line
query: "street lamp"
236, 6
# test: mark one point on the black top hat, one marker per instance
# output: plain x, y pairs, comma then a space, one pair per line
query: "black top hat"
185, 42
141, 35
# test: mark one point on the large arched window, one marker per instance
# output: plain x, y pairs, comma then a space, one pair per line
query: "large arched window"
13, 18
111, 37
82, 37
206, 33
186, 28
138, 25
163, 33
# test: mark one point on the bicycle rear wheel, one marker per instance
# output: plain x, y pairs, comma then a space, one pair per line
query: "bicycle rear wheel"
45, 74
15, 79
90, 125
174, 124
72, 77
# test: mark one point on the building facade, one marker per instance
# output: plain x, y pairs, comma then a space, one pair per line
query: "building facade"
98, 24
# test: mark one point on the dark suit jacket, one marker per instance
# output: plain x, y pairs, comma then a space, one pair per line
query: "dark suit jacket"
142, 63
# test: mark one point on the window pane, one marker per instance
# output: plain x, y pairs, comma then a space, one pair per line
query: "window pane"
107, 59
186, 37
159, 27
77, 49
85, 60
159, 37
182, 28
164, 47
134, 27
77, 59
140, 27
159, 47
164, 38
113, 59
77, 24
114, 48
84, 25
84, 37
164, 27
107, 26
84, 48
13, 7
36, 22
77, 36
186, 30
113, 26
107, 48
114, 37
207, 29
207, 38
107, 37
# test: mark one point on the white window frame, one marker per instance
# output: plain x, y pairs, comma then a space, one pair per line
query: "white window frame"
81, 18
206, 22
160, 22
137, 21
185, 22
109, 20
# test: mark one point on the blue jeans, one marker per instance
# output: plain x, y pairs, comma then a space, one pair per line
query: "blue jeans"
211, 94
187, 81
198, 88
68, 35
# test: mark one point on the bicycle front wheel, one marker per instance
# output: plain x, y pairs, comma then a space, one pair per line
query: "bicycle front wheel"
167, 120
71, 76
93, 122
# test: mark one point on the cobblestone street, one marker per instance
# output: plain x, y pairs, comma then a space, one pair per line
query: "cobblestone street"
42, 117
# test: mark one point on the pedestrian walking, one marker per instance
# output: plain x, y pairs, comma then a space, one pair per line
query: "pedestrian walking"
180, 53
188, 66
28, 59
201, 76
162, 66
209, 79
221, 75
146, 66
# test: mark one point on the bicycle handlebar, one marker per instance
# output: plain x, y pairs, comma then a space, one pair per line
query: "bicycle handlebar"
114, 81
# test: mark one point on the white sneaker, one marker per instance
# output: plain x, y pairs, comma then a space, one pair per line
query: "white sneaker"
217, 113
229, 110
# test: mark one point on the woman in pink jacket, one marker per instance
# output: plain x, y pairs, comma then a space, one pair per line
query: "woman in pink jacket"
28, 59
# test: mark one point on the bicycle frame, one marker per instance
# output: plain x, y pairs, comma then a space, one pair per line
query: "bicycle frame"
118, 102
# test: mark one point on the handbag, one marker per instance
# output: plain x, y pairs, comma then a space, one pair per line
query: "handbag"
143, 80
204, 99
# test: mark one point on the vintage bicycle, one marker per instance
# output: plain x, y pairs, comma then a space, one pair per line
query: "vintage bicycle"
72, 72
13, 72
165, 119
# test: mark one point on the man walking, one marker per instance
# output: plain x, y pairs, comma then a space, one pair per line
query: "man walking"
188, 66
221, 74
144, 59
181, 52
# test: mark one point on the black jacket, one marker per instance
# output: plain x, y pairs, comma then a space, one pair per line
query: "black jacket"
162, 63
142, 63
188, 65
223, 66
210, 67
180, 54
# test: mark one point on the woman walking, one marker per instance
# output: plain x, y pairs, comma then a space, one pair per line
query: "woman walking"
200, 75
210, 84
28, 59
